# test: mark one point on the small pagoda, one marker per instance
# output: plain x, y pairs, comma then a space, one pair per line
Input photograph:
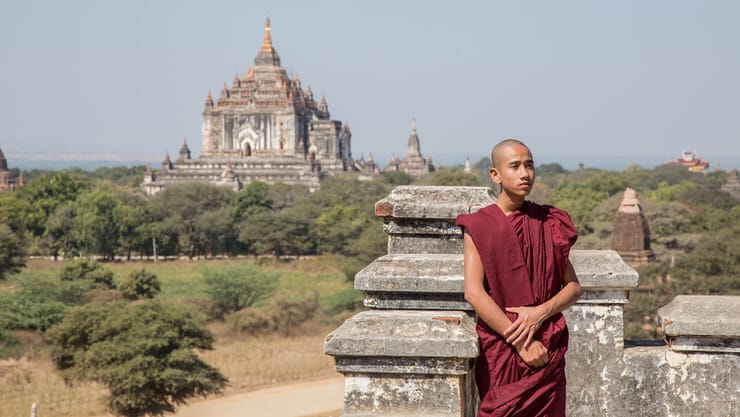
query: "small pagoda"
631, 233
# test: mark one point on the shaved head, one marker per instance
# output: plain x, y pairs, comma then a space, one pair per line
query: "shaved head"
496, 151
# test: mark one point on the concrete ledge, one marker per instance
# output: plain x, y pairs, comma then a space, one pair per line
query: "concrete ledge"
435, 281
603, 269
432, 202
403, 333
419, 273
702, 323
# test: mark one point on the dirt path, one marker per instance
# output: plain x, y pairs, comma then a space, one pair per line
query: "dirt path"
322, 397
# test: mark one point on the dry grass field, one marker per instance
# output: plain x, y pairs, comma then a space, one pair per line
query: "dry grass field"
248, 361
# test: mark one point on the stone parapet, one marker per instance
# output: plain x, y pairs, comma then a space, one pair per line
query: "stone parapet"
435, 281
412, 354
702, 323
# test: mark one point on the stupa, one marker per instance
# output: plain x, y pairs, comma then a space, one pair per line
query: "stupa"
631, 233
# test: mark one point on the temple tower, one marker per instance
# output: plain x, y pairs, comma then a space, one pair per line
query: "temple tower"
7, 182
732, 186
265, 127
412, 163
631, 233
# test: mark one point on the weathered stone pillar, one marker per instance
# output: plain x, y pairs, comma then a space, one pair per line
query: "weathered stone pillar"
696, 373
413, 352
596, 324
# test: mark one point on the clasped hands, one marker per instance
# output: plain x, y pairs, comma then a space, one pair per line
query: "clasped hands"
521, 334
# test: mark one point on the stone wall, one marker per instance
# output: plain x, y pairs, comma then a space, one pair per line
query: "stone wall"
413, 352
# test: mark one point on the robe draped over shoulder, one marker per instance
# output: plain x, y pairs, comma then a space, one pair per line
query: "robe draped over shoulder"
524, 256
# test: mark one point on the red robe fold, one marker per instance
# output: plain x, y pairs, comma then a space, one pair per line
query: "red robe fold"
524, 258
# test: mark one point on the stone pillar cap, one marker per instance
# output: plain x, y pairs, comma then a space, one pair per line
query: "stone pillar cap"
701, 315
432, 202
395, 333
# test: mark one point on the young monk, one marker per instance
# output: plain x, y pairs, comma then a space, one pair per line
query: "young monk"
518, 279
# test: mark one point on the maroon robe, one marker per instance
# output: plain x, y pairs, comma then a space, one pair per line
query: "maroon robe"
524, 256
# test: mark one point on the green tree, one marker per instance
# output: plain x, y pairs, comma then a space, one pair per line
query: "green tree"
36, 302
90, 272
45, 194
215, 232
278, 234
285, 196
97, 221
253, 199
396, 178
176, 210
59, 235
133, 219
12, 253
232, 289
578, 200
447, 176
142, 352
338, 227
140, 284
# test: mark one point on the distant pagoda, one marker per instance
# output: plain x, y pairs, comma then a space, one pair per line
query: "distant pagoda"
732, 186
412, 163
7, 181
694, 164
265, 127
631, 233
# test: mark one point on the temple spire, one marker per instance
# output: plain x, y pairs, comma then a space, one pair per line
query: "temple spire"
267, 42
267, 54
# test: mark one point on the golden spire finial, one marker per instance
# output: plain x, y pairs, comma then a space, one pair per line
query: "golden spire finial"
267, 43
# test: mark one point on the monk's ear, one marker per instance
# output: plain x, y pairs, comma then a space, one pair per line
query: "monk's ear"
495, 177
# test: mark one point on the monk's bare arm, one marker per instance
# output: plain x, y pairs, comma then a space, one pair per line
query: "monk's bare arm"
487, 310
531, 318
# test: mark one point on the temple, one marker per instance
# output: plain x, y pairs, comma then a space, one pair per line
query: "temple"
631, 232
264, 127
694, 164
7, 181
412, 162
732, 186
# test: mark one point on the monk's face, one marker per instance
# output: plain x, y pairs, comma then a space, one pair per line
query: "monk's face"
514, 169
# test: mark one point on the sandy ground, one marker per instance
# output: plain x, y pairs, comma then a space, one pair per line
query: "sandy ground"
322, 397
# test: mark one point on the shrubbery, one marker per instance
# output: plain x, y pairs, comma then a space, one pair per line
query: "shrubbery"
140, 284
235, 288
284, 315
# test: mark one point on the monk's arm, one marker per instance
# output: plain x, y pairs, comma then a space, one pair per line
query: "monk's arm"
531, 318
487, 310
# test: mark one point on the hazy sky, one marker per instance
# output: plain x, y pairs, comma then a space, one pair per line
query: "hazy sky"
577, 80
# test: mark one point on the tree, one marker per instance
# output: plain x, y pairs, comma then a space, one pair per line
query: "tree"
12, 253
59, 236
90, 272
253, 199
140, 284
214, 231
142, 352
176, 210
337, 227
278, 234
133, 220
396, 178
45, 194
97, 221
446, 176
233, 289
